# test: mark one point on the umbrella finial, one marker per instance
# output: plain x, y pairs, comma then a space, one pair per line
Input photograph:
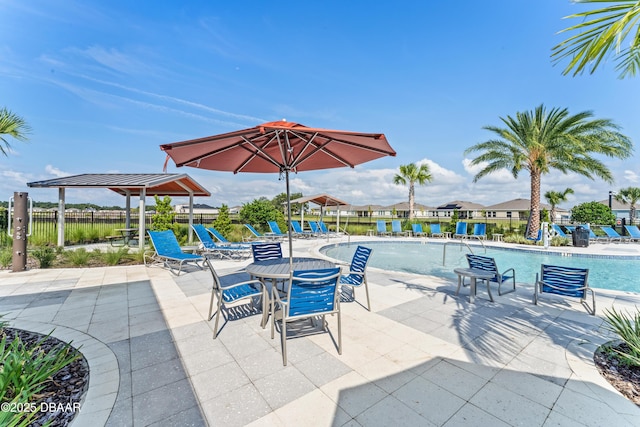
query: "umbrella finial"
284, 120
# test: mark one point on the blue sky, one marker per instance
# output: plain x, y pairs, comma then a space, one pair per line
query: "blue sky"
103, 84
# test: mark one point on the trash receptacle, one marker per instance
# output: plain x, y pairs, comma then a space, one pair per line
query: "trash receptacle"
581, 237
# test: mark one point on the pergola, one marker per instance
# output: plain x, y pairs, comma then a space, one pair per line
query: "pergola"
140, 185
322, 200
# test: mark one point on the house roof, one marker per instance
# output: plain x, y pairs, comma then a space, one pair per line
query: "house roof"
404, 206
461, 206
158, 184
519, 205
616, 205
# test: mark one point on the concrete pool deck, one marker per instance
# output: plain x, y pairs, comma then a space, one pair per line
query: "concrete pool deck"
423, 356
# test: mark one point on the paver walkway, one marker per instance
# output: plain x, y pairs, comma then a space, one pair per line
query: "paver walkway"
423, 356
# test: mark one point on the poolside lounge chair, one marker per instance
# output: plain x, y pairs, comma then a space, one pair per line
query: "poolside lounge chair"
228, 295
275, 230
382, 228
461, 230
396, 228
224, 241
255, 235
357, 275
634, 232
298, 231
417, 231
566, 281
325, 230
315, 228
488, 264
558, 231
310, 293
435, 230
208, 245
593, 238
167, 252
613, 235
479, 231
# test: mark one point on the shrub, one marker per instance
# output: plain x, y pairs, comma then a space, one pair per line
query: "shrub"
45, 256
258, 212
223, 222
114, 257
6, 257
78, 257
164, 217
627, 327
593, 213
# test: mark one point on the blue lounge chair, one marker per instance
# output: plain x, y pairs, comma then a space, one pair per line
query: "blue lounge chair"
558, 231
593, 238
396, 228
417, 231
233, 294
435, 230
207, 244
634, 232
613, 235
325, 230
566, 281
357, 275
310, 293
488, 264
275, 230
298, 231
167, 252
382, 228
461, 230
315, 228
257, 236
224, 241
479, 231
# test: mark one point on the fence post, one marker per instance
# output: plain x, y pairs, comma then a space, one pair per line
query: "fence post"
20, 220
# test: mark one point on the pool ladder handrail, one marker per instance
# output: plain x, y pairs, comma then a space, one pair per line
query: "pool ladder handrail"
461, 242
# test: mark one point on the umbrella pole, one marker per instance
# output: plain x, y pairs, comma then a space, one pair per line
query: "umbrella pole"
286, 174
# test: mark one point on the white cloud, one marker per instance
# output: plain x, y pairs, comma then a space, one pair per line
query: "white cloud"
56, 172
631, 176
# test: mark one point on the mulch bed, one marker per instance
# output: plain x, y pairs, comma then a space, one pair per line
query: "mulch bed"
64, 392
625, 379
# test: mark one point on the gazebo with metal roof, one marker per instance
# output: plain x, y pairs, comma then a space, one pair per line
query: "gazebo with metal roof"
141, 185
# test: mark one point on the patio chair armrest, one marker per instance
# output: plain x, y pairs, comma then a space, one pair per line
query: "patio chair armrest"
513, 271
248, 282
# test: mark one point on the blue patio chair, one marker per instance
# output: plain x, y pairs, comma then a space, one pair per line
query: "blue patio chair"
233, 294
565, 281
275, 230
208, 245
298, 231
356, 276
488, 264
315, 228
224, 241
613, 235
634, 232
594, 238
310, 294
266, 251
435, 230
479, 231
382, 228
325, 230
167, 252
417, 231
461, 230
396, 228
255, 235
558, 231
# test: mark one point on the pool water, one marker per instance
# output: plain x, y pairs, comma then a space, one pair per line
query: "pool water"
620, 273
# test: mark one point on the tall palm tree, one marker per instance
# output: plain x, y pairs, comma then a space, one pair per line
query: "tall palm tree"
629, 195
540, 140
12, 125
411, 174
554, 198
602, 33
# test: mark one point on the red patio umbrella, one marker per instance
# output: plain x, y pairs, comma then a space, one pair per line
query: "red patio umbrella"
281, 147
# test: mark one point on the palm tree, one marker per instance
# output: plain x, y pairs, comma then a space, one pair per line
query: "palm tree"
602, 33
629, 195
411, 174
12, 125
554, 198
538, 141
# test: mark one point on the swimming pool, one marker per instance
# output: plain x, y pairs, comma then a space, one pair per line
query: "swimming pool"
620, 273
